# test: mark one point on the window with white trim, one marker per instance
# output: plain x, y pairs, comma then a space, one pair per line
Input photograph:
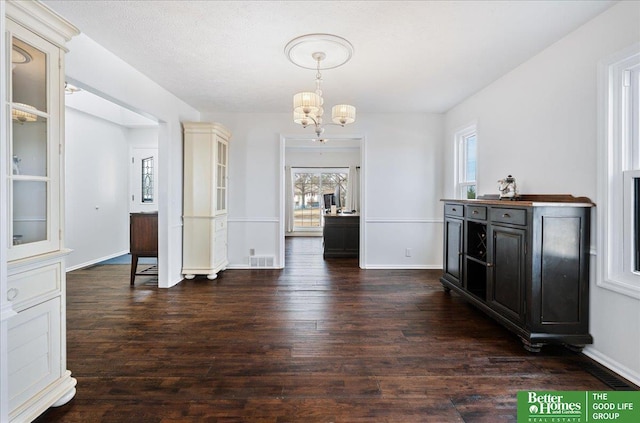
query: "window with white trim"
619, 173
466, 162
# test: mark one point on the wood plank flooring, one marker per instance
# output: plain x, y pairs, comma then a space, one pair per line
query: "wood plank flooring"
319, 341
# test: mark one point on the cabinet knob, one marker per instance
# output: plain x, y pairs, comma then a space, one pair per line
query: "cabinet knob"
506, 215
475, 212
12, 293
454, 209
459, 253
489, 264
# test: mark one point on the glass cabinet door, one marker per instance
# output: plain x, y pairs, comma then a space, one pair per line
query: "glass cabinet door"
221, 177
34, 152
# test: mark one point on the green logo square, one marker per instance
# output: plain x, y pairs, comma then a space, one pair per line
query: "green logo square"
578, 406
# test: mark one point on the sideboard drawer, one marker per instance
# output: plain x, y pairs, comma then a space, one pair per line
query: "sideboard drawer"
454, 209
477, 212
513, 216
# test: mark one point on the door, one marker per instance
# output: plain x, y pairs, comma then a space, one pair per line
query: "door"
506, 267
143, 177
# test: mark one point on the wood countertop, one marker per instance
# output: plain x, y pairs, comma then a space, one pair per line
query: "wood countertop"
530, 200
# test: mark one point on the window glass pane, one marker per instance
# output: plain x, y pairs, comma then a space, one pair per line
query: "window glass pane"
470, 156
29, 211
29, 70
468, 192
306, 200
29, 145
336, 183
147, 180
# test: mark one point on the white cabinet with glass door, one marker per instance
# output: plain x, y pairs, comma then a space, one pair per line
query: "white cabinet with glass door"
206, 155
37, 376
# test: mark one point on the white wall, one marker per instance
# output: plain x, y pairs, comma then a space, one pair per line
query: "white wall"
318, 157
539, 123
143, 137
89, 64
401, 172
97, 189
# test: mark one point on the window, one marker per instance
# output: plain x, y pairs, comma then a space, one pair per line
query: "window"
619, 173
309, 186
466, 153
147, 180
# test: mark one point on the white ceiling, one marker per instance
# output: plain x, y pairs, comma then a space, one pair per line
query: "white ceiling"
423, 56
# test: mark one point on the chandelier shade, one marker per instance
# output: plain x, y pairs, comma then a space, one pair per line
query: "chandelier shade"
307, 102
343, 114
326, 51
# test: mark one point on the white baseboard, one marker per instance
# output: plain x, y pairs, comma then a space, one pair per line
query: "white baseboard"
95, 261
611, 364
404, 266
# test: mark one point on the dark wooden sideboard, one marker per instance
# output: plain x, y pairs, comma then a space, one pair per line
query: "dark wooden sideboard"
525, 263
143, 241
341, 235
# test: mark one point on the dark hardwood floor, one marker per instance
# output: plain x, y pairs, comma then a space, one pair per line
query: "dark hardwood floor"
320, 341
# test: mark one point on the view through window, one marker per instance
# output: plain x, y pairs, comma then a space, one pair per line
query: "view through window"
467, 163
309, 186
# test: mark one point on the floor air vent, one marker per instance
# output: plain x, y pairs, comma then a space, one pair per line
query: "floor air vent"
612, 380
261, 261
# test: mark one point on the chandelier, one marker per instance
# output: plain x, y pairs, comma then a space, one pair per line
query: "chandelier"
319, 52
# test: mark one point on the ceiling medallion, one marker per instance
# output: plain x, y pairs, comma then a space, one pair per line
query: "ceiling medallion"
319, 52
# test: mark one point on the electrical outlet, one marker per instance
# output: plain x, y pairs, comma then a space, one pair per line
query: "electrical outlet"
407, 252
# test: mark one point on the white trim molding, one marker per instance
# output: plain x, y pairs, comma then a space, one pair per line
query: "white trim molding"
404, 266
615, 157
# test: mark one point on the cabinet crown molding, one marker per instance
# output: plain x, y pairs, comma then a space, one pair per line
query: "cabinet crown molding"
206, 128
42, 20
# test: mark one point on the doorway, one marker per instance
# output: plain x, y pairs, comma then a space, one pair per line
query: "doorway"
100, 135
318, 169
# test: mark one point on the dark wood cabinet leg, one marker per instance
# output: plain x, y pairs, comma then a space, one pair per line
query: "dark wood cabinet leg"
574, 348
134, 267
533, 347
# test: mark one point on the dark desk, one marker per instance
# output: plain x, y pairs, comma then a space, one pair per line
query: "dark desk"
341, 235
143, 241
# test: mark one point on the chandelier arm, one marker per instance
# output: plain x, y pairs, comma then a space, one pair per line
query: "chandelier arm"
315, 122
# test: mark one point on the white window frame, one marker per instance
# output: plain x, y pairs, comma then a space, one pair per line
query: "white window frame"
619, 163
461, 180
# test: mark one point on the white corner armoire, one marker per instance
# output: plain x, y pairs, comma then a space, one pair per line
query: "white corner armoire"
34, 304
206, 155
